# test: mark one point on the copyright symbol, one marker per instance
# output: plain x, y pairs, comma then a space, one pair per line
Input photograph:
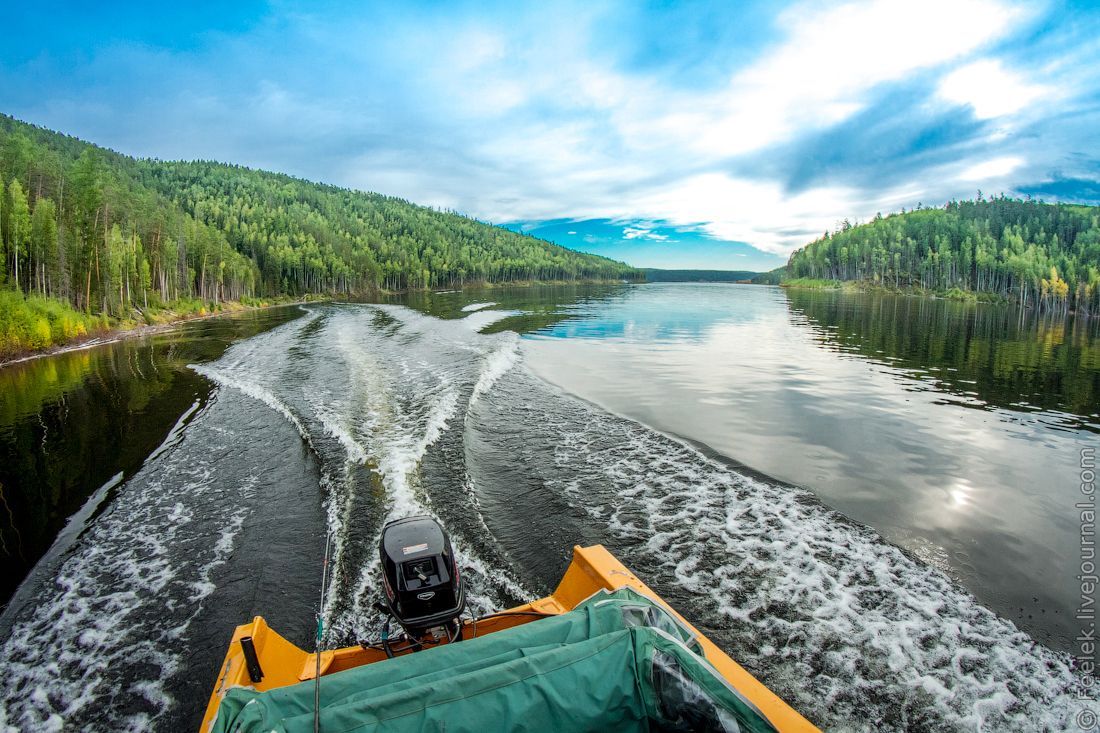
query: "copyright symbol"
1086, 719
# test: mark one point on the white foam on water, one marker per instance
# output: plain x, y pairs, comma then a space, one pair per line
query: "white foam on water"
849, 629
336, 425
94, 640
249, 366
401, 406
406, 377
477, 306
253, 390
482, 582
385, 391
481, 319
402, 453
360, 394
496, 364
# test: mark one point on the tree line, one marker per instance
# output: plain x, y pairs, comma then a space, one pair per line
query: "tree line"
1045, 256
112, 234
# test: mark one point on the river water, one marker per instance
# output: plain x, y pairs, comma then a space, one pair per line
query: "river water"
866, 500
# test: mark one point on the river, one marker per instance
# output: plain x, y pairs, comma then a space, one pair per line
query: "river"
865, 499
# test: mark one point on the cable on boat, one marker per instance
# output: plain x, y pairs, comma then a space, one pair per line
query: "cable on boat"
320, 633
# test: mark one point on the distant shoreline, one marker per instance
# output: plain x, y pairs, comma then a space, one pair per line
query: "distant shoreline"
864, 286
119, 332
954, 294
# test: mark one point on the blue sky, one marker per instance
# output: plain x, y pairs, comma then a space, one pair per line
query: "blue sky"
719, 135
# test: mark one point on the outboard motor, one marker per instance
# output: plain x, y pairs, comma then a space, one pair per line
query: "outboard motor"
421, 578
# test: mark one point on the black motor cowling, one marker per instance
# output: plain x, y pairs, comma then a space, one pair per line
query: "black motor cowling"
420, 574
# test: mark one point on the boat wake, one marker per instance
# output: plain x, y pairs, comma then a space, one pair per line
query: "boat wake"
850, 630
402, 414
372, 388
96, 645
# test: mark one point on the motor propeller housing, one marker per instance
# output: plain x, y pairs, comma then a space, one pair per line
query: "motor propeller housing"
423, 586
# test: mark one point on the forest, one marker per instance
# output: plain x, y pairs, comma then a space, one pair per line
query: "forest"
114, 236
1042, 256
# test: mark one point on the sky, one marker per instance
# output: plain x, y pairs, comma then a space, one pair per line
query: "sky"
697, 135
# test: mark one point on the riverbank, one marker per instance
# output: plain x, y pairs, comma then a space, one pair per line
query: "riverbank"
868, 286
98, 330
33, 326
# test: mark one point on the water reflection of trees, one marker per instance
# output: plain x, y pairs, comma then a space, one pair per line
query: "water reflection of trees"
996, 355
68, 423
71, 421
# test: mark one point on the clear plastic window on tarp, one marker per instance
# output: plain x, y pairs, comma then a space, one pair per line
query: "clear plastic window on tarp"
684, 705
657, 618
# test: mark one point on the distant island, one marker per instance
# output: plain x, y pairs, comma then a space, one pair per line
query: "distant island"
655, 275
92, 238
1038, 255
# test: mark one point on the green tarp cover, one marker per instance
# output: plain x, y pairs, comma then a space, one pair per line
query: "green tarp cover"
594, 668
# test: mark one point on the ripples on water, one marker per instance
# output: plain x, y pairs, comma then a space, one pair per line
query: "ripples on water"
902, 413
405, 413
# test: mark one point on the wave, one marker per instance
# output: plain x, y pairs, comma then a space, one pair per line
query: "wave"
496, 364
477, 306
482, 319
99, 644
376, 389
254, 391
410, 414
851, 630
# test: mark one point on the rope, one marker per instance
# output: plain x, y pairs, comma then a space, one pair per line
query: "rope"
320, 634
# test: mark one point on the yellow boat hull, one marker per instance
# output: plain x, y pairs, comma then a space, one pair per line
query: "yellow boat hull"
592, 569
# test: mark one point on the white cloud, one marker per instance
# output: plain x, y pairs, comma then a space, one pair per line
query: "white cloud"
641, 232
532, 117
759, 213
631, 147
990, 89
831, 59
995, 168
476, 48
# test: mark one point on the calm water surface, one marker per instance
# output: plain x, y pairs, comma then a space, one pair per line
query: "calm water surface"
744, 449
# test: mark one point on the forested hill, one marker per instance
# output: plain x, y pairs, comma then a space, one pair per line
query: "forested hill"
111, 233
1042, 255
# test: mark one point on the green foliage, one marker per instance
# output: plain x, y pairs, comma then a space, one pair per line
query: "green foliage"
812, 283
115, 235
307, 237
33, 323
17, 224
1041, 255
961, 295
771, 277
191, 307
